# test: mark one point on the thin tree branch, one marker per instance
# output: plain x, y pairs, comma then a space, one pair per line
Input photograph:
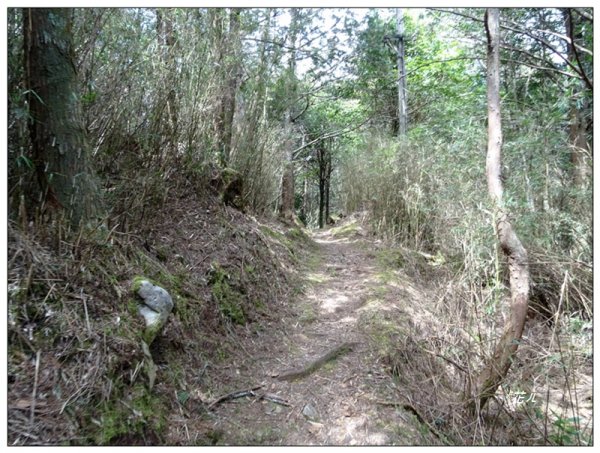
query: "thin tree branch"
542, 68
588, 82
549, 46
450, 11
585, 15
328, 135
542, 41
566, 39
293, 120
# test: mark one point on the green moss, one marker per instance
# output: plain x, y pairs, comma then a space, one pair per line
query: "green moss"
276, 235
390, 258
346, 230
229, 174
142, 413
227, 298
150, 333
385, 276
297, 235
137, 283
113, 423
162, 253
313, 262
181, 307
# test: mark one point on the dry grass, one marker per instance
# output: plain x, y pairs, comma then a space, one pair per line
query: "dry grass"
77, 373
545, 400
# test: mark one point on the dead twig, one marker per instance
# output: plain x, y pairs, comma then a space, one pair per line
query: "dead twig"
249, 392
233, 396
275, 399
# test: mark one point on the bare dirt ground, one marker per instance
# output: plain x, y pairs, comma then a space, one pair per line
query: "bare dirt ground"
349, 400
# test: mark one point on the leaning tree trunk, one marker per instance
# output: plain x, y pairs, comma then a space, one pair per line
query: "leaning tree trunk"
60, 150
499, 364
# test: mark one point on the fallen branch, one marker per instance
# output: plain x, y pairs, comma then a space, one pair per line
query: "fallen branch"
249, 392
233, 396
275, 399
316, 364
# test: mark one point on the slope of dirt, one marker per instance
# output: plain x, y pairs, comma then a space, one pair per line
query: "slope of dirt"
77, 372
350, 399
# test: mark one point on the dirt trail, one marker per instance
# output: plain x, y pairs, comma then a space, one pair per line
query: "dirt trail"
350, 399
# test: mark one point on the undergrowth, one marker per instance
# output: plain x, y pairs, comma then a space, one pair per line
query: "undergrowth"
435, 354
78, 371
435, 218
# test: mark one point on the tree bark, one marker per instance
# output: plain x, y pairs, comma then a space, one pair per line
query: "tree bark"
60, 150
328, 171
321, 191
496, 369
402, 102
230, 88
577, 130
166, 41
287, 181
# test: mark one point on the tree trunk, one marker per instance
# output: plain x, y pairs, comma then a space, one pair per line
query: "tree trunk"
577, 130
259, 114
321, 198
304, 206
499, 364
60, 150
328, 171
402, 101
323, 159
166, 41
231, 86
287, 181
217, 20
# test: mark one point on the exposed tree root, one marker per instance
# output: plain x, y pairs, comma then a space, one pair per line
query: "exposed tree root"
316, 364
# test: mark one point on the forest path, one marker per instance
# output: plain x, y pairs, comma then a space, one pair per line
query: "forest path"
349, 400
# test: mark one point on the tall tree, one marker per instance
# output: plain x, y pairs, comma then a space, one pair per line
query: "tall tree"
166, 41
402, 109
577, 128
287, 180
497, 368
59, 144
225, 43
374, 62
325, 169
231, 79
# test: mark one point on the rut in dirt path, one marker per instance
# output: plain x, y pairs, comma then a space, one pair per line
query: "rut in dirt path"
343, 398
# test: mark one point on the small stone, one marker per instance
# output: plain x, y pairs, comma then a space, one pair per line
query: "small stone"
309, 412
156, 307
